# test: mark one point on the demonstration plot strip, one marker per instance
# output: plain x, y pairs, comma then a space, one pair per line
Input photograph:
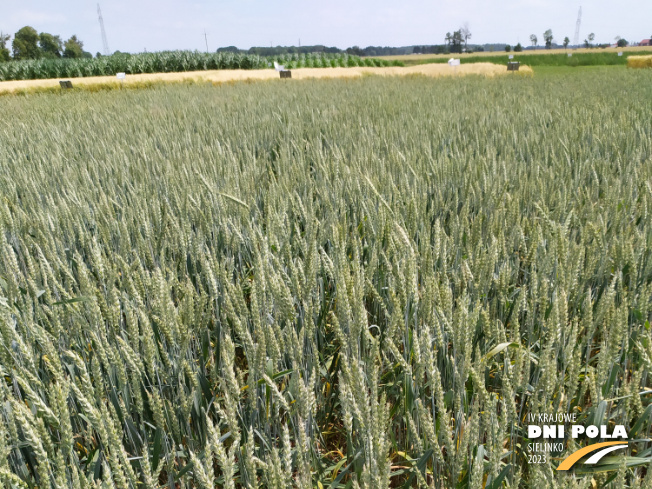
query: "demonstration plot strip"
225, 76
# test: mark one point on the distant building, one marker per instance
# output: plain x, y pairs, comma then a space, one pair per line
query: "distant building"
645, 42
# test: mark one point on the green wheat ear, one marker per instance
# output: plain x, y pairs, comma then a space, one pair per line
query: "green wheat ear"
337, 284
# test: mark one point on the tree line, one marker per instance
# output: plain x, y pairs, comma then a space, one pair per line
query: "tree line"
454, 43
548, 38
29, 44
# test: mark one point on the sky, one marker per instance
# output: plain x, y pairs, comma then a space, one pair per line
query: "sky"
155, 25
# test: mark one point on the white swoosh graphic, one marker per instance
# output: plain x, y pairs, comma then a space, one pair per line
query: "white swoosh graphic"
595, 458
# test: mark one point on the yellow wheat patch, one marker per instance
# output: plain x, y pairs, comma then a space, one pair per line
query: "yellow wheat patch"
639, 62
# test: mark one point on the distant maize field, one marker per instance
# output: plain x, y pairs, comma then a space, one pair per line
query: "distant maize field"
173, 61
328, 284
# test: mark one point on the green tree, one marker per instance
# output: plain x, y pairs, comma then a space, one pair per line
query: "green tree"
589, 41
518, 48
51, 46
449, 39
547, 37
534, 40
566, 42
355, 50
4, 52
73, 48
622, 43
508, 48
25, 44
456, 41
228, 49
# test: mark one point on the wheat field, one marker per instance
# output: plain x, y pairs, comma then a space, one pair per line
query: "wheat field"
358, 283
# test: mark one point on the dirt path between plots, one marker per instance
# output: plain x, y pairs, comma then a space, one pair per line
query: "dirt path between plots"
221, 76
